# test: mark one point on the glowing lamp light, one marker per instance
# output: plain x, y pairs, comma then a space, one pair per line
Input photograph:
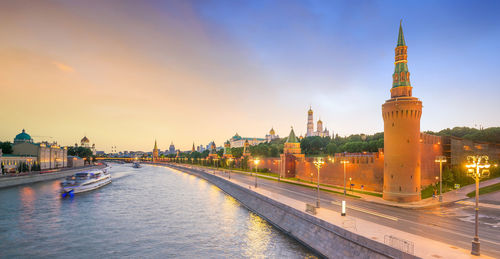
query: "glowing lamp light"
343, 209
256, 161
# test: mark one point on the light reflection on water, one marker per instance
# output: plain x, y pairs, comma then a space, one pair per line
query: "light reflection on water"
146, 212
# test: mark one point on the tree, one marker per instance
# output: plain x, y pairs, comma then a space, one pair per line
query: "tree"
331, 148
237, 151
6, 147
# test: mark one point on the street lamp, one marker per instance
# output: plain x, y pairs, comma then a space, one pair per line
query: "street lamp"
345, 162
477, 168
256, 162
216, 160
318, 163
350, 183
440, 160
230, 160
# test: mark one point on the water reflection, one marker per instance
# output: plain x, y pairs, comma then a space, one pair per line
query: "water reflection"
146, 212
257, 237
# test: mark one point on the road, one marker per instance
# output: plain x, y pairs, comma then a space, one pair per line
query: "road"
452, 224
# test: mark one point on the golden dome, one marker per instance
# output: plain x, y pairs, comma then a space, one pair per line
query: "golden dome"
310, 112
271, 132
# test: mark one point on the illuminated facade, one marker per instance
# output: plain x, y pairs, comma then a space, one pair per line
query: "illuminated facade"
48, 155
401, 114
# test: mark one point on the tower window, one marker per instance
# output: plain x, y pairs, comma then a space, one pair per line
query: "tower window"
399, 188
392, 176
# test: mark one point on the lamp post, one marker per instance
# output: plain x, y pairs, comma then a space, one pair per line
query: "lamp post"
477, 168
350, 183
216, 160
440, 160
318, 163
256, 162
230, 160
345, 162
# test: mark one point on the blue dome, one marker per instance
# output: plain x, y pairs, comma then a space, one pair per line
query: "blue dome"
23, 137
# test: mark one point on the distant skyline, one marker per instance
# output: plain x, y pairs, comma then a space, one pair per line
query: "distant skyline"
125, 73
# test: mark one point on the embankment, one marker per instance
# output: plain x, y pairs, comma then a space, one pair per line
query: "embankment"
322, 237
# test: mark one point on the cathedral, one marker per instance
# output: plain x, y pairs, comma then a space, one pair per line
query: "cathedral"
319, 128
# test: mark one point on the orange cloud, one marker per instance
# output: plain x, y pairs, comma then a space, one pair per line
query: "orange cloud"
63, 67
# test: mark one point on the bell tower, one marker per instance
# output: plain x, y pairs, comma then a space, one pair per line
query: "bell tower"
401, 116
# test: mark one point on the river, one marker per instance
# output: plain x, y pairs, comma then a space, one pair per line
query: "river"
150, 212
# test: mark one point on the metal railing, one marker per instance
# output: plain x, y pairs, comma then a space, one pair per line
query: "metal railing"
399, 243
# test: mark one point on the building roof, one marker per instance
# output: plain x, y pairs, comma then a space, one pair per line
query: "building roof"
292, 138
85, 140
23, 136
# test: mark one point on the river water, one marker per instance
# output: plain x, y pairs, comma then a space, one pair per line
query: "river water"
151, 212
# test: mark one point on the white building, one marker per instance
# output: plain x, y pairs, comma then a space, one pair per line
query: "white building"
238, 141
319, 129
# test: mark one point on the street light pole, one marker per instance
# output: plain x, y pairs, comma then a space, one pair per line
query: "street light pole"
440, 160
318, 163
345, 162
477, 168
256, 162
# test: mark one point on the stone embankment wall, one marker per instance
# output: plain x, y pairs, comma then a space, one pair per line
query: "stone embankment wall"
322, 237
27, 179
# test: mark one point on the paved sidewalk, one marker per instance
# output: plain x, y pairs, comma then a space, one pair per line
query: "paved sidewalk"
423, 247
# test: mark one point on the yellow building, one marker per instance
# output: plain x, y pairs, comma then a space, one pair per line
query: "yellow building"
48, 155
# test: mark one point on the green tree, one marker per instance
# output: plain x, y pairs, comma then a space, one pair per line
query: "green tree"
237, 151
6, 147
331, 148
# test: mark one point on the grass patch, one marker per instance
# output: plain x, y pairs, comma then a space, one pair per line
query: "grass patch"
485, 190
337, 187
310, 187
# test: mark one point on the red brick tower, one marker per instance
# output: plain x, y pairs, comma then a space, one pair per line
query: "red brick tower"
401, 116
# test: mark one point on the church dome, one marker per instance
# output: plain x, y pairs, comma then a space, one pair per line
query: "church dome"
310, 112
85, 140
271, 132
22, 137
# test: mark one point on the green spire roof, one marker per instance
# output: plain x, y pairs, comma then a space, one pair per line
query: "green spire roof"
401, 37
292, 138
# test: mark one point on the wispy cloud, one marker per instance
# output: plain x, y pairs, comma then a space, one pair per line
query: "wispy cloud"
63, 67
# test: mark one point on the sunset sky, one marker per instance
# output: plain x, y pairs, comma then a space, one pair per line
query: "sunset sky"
125, 73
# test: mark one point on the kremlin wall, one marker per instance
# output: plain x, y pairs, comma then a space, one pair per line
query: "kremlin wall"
365, 168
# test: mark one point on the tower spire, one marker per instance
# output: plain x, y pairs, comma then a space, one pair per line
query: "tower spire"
401, 37
401, 78
156, 146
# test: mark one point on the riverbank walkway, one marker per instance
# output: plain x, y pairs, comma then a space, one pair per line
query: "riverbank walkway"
423, 247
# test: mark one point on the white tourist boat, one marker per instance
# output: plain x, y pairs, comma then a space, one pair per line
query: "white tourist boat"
136, 165
85, 181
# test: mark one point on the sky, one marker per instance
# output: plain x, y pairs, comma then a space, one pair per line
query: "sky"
125, 73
